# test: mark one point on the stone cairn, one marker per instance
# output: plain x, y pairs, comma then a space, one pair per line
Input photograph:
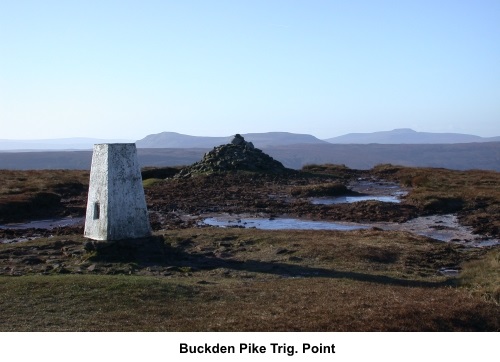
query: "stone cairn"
239, 155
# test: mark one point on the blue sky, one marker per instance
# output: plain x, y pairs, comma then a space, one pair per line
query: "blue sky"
125, 69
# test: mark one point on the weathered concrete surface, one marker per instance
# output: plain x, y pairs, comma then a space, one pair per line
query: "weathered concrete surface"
116, 206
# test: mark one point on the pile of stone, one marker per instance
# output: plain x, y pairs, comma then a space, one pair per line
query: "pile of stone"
239, 155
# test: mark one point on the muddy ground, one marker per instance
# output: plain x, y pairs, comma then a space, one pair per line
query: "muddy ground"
169, 201
176, 203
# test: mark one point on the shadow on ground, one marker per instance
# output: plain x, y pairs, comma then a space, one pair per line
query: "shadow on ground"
155, 252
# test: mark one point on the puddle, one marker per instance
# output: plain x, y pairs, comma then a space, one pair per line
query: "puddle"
351, 199
18, 240
382, 191
449, 272
281, 224
45, 224
377, 187
443, 228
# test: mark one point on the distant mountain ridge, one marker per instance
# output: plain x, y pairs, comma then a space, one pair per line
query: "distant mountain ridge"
260, 140
177, 140
76, 143
269, 139
408, 136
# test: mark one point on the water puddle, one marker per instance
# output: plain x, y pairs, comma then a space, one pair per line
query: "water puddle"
351, 199
443, 228
370, 190
48, 224
449, 272
281, 224
377, 187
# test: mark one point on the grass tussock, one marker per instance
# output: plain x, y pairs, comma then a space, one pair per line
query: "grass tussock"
482, 277
342, 172
150, 182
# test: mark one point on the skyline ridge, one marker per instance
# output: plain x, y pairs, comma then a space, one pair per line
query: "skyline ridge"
170, 139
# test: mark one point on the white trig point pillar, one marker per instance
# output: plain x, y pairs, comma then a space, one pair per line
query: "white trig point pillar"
116, 206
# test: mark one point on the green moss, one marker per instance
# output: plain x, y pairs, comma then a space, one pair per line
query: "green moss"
150, 182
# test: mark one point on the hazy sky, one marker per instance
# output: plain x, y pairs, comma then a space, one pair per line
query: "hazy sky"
125, 69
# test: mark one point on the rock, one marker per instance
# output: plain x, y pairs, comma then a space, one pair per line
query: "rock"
32, 260
238, 140
89, 246
239, 155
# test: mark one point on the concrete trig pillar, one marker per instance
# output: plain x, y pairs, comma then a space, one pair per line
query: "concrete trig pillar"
116, 206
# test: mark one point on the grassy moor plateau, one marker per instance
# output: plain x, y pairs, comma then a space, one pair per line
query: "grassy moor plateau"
219, 260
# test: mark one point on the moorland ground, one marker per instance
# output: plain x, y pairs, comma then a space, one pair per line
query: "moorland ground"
196, 278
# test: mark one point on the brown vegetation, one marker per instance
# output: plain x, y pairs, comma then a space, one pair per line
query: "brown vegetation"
474, 194
482, 276
25, 195
241, 280
194, 278
328, 189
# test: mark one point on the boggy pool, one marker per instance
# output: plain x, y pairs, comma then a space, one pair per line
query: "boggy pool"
281, 224
352, 199
369, 190
48, 224
443, 228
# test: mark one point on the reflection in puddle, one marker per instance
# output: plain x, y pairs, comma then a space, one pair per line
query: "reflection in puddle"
45, 224
282, 224
351, 199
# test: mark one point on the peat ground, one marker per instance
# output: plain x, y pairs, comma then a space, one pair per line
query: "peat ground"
189, 277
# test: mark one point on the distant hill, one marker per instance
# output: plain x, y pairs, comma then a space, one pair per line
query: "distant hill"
178, 140
77, 143
463, 156
408, 136
160, 140
259, 140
